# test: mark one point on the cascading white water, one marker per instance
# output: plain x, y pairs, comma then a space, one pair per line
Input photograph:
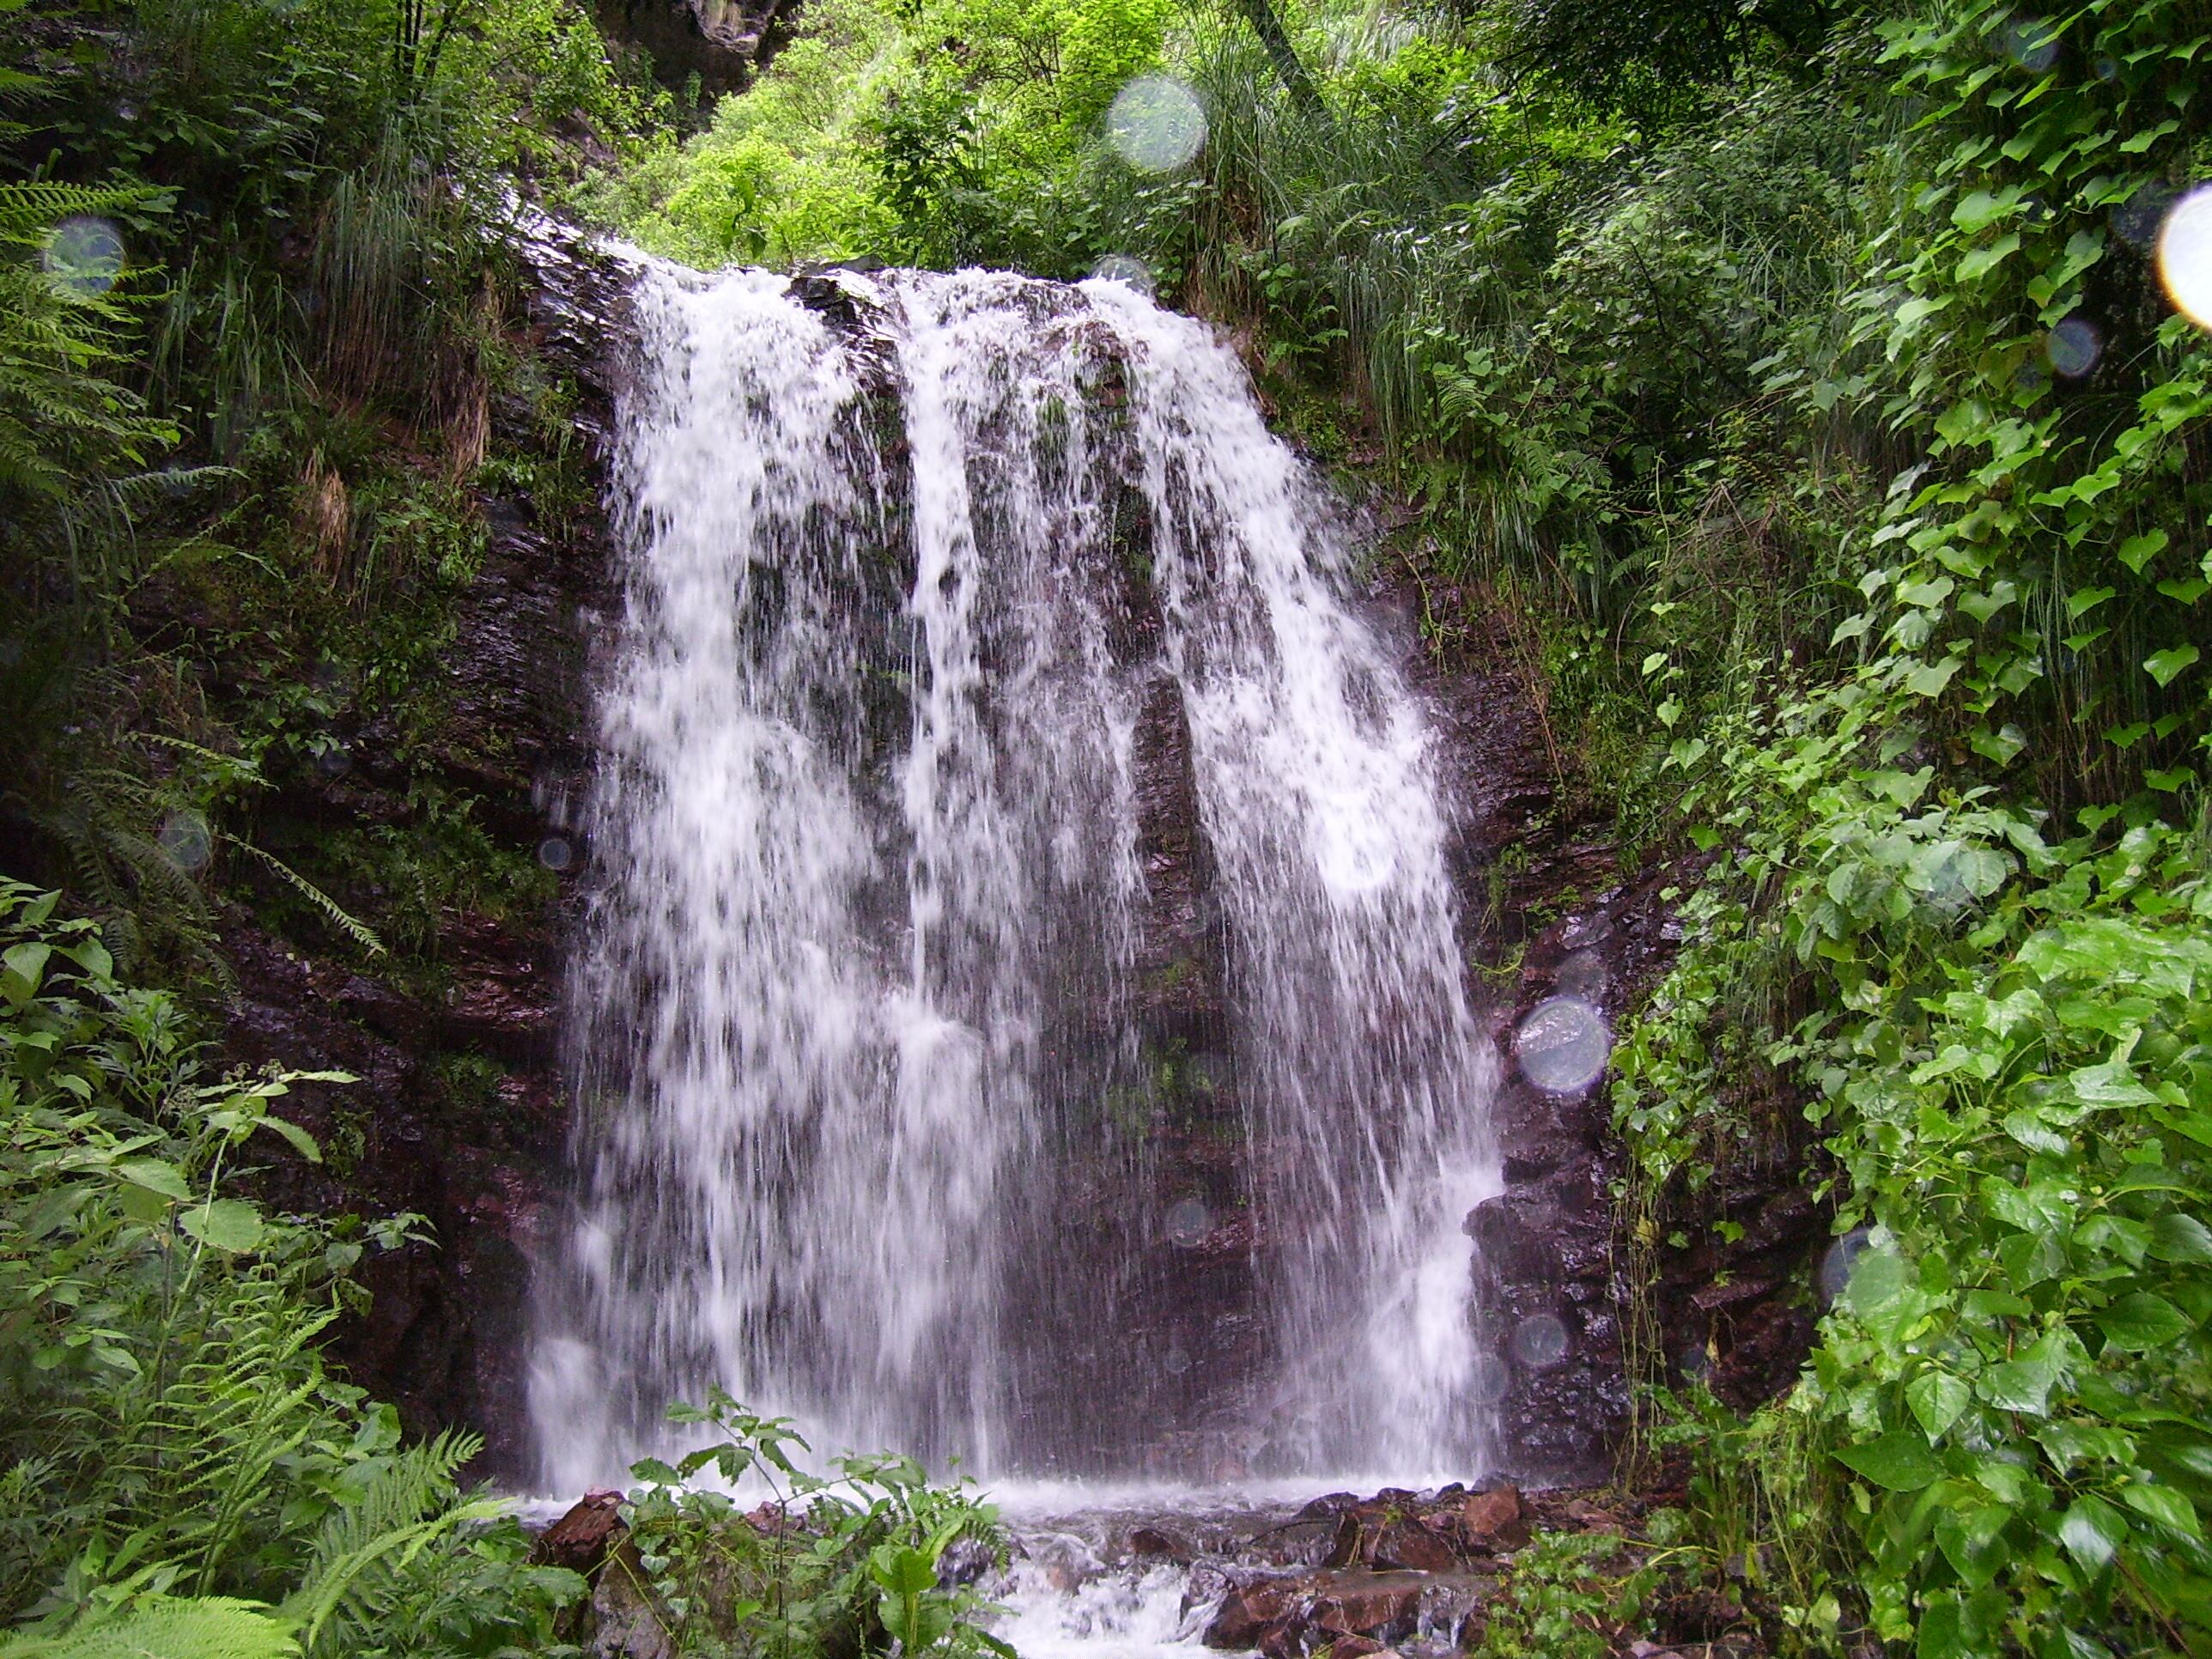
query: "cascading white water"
859, 986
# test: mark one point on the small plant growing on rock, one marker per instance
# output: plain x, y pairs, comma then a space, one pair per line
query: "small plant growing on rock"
857, 1561
1568, 1599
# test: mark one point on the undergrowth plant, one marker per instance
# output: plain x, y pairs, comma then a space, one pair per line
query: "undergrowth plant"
852, 1560
182, 1472
1962, 860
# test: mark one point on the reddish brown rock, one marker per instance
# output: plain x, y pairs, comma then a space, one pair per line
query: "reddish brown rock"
1494, 1520
1411, 1545
578, 1541
1249, 1611
1382, 1605
1590, 1518
1150, 1543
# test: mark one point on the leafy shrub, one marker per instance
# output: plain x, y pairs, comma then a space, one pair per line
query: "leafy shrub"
177, 1462
826, 1565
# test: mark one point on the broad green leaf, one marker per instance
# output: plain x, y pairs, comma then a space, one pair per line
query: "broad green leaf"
2164, 666
2143, 1323
1969, 1539
2092, 1531
91, 956
2138, 552
1898, 1461
2175, 1236
2033, 1133
25, 969
2083, 600
1982, 603
2023, 1384
154, 1174
2164, 1505
1979, 208
1981, 260
1930, 678
302, 1142
1937, 1399
229, 1225
1942, 1634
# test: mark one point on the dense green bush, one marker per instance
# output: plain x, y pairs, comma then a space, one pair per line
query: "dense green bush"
175, 1457
181, 1474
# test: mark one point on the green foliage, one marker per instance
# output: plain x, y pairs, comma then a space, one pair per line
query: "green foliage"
1648, 57
1958, 865
826, 1565
180, 1466
1569, 1596
195, 462
942, 133
65, 424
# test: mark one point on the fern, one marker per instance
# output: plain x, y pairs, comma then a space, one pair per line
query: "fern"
64, 423
181, 1458
358, 930
359, 1572
165, 1627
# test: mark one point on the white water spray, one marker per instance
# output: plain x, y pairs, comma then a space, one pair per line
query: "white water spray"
860, 966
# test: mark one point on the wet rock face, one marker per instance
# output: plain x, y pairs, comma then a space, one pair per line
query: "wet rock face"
460, 1112
1553, 913
722, 42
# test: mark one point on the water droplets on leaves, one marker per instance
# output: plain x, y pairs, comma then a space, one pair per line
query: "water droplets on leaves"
2074, 347
186, 841
1563, 1045
2184, 255
1188, 1222
1127, 269
85, 255
1540, 1341
1157, 124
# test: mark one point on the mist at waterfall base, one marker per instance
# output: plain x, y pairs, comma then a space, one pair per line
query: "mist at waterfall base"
869, 1119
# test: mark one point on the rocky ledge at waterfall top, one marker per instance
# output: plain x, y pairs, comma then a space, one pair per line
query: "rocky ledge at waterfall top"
445, 1336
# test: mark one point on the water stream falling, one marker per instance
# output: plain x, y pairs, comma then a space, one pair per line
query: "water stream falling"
874, 1131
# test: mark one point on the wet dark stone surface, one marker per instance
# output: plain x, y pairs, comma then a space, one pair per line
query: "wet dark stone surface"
1552, 909
445, 1333
721, 42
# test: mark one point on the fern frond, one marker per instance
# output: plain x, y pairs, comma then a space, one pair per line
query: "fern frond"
165, 1627
364, 1549
359, 931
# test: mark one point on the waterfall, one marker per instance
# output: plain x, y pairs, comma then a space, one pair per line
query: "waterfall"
870, 1119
